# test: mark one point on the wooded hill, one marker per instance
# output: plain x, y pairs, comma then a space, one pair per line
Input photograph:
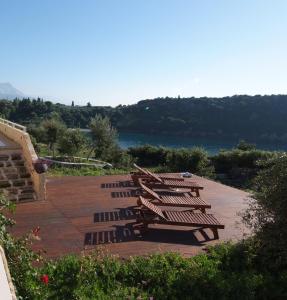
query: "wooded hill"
252, 118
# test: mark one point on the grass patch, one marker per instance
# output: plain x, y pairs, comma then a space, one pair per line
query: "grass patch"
84, 171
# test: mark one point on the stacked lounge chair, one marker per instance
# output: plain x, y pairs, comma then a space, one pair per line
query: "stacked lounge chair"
159, 191
155, 181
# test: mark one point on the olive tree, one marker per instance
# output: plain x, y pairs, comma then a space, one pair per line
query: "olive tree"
71, 142
104, 136
53, 130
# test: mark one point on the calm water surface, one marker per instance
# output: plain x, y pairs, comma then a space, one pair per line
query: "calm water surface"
211, 146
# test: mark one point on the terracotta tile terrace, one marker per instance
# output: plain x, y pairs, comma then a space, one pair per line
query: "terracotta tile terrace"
86, 213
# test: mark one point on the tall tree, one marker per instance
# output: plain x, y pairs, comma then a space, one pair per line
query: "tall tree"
53, 129
71, 142
104, 136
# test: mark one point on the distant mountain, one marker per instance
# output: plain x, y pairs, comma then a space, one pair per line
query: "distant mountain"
7, 91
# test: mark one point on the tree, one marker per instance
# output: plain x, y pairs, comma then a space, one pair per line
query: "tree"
244, 146
104, 136
53, 129
71, 142
266, 214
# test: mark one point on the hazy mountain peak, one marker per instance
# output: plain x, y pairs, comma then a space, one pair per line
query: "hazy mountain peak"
8, 91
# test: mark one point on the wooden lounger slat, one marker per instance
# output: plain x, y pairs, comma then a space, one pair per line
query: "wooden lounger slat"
150, 191
180, 183
162, 179
153, 208
190, 217
186, 218
175, 199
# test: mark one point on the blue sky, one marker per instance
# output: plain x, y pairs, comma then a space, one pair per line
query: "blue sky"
121, 51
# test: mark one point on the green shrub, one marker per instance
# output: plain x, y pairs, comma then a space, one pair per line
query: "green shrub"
193, 160
149, 156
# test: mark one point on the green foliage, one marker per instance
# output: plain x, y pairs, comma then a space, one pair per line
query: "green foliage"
55, 170
240, 166
71, 142
243, 145
104, 143
266, 214
20, 259
103, 135
148, 155
53, 130
226, 271
193, 160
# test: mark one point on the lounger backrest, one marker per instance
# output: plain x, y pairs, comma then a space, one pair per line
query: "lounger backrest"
141, 169
153, 175
149, 191
155, 209
148, 173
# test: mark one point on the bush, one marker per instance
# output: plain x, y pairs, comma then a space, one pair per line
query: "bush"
71, 142
266, 214
195, 160
149, 156
226, 271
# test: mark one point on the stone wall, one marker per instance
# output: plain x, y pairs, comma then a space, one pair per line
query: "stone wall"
15, 180
17, 134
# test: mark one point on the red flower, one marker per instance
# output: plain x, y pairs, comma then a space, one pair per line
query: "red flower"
45, 279
36, 231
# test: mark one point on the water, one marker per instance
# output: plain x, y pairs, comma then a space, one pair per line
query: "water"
127, 140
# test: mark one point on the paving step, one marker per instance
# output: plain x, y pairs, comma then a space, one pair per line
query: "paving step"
26, 190
26, 197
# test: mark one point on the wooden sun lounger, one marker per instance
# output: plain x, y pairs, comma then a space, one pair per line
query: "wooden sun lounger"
179, 199
152, 214
144, 173
153, 180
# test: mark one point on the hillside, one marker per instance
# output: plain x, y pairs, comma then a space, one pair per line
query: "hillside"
8, 91
239, 117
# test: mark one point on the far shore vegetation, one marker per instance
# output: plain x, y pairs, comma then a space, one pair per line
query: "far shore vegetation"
253, 118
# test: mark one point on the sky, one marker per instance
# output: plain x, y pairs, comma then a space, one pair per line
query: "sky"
110, 52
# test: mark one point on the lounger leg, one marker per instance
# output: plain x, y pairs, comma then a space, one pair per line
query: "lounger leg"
215, 233
202, 210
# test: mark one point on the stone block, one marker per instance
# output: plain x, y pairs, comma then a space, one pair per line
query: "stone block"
4, 184
12, 176
4, 157
27, 175
19, 163
19, 182
16, 156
